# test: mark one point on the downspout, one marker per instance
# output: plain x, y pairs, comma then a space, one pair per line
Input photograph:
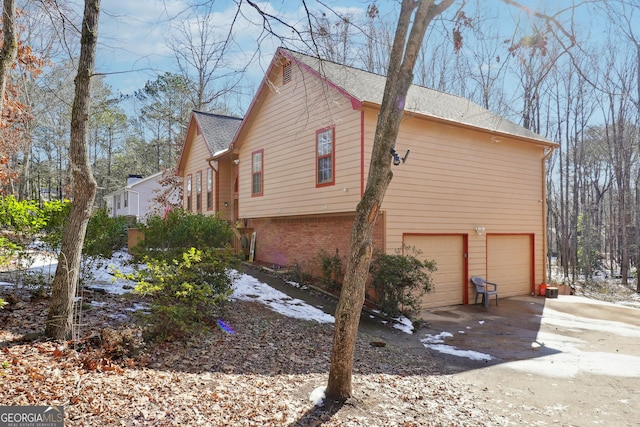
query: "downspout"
547, 153
362, 178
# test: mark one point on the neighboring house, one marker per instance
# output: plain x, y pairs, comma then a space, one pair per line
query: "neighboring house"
471, 195
136, 198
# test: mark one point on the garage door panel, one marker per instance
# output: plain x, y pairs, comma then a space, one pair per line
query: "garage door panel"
448, 280
509, 263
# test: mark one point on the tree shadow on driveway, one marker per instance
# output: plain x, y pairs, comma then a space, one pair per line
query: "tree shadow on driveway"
474, 336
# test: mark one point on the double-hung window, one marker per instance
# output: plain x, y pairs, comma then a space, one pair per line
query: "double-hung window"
209, 189
188, 193
257, 163
199, 191
325, 158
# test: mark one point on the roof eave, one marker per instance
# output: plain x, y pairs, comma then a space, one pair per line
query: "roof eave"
219, 154
539, 141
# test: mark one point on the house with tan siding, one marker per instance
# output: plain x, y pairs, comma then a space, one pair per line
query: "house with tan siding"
207, 182
470, 195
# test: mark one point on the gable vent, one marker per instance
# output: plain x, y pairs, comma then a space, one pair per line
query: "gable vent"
286, 73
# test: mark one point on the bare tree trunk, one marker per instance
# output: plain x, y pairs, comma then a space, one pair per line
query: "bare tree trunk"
60, 318
9, 48
400, 75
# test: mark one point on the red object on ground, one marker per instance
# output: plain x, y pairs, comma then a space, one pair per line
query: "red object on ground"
543, 289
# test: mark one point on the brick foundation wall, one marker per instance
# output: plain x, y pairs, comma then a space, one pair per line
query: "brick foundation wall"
285, 241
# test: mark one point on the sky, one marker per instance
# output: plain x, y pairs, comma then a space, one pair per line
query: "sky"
134, 35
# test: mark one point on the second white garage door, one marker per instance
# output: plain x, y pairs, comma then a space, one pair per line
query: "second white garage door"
448, 279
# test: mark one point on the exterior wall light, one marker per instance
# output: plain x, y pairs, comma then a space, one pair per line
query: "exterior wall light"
396, 156
480, 230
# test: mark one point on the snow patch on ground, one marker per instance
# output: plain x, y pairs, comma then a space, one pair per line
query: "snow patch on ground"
404, 324
248, 288
569, 359
436, 342
317, 396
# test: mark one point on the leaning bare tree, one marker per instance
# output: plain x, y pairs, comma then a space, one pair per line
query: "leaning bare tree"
59, 323
412, 24
415, 17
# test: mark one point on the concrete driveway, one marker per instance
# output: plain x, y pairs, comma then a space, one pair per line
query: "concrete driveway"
569, 361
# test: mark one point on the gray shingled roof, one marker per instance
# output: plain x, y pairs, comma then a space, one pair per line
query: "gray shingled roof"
369, 87
218, 130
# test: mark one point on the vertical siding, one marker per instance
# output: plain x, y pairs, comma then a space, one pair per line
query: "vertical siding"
285, 126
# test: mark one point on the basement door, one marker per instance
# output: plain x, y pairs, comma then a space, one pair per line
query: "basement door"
509, 259
448, 280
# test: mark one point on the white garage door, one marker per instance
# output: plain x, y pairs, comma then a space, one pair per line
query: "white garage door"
509, 263
448, 279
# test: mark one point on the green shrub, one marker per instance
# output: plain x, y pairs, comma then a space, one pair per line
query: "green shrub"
22, 217
38, 284
185, 292
399, 280
23, 222
298, 273
56, 213
331, 266
8, 252
166, 237
105, 235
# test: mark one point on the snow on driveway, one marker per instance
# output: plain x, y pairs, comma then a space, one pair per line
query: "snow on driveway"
570, 357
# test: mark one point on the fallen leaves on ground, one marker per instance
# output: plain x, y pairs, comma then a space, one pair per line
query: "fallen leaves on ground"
262, 375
